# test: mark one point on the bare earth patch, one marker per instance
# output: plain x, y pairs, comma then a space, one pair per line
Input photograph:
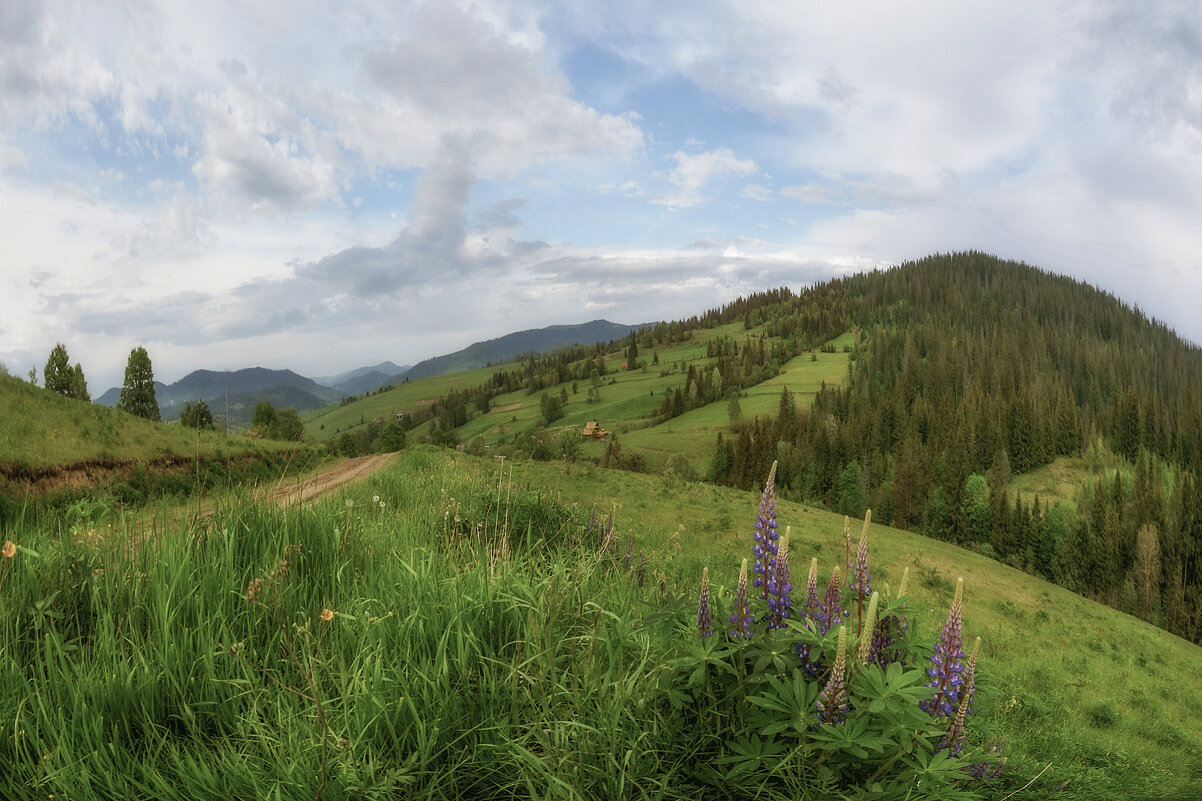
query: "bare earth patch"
327, 481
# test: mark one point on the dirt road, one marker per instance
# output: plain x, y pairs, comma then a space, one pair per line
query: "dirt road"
327, 481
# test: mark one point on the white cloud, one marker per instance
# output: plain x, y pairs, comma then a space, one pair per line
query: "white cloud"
694, 170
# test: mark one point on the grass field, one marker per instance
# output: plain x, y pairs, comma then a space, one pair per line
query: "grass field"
626, 402
40, 428
458, 661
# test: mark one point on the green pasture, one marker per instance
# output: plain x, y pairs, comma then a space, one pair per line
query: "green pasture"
39, 428
478, 645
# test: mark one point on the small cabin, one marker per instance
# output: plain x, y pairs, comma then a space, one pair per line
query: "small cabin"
594, 431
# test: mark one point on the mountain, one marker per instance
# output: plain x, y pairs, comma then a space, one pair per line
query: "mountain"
242, 388
369, 382
533, 340
356, 381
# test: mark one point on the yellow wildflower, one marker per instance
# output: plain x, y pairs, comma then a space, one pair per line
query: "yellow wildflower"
327, 615
10, 549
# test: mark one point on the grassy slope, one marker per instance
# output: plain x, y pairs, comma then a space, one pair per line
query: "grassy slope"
1095, 691
39, 428
149, 703
324, 424
623, 405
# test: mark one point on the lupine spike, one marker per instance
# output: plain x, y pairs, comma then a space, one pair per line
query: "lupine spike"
831, 612
901, 588
705, 621
864, 651
779, 589
953, 740
832, 701
812, 588
860, 580
765, 535
947, 665
741, 618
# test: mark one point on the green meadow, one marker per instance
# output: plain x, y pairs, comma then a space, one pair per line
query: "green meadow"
452, 628
40, 429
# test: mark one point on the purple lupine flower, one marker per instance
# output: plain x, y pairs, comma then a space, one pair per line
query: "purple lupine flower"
947, 666
989, 769
705, 621
779, 590
886, 636
831, 613
642, 574
765, 534
592, 521
607, 534
832, 701
629, 557
741, 617
809, 611
953, 739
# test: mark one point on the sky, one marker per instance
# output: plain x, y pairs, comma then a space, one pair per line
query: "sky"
320, 186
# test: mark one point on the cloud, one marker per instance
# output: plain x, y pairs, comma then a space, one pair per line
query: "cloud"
694, 170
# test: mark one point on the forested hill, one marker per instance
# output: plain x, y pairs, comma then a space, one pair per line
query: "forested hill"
970, 369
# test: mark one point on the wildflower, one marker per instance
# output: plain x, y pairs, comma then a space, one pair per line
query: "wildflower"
953, 740
705, 621
10, 549
765, 533
629, 557
812, 588
778, 588
831, 612
860, 581
809, 610
901, 587
375, 499
947, 667
642, 573
993, 768
327, 615
832, 701
349, 503
741, 617
864, 652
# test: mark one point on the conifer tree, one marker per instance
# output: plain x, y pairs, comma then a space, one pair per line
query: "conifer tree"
137, 392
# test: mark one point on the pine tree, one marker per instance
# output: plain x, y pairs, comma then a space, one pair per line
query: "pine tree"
137, 393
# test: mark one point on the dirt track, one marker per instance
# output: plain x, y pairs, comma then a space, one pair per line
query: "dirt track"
327, 481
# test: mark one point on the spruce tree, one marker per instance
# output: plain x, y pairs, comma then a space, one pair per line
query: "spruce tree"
137, 392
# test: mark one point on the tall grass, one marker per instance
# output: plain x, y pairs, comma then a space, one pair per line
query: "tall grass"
481, 644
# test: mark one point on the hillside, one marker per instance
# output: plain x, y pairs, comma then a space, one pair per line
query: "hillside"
965, 374
40, 429
519, 343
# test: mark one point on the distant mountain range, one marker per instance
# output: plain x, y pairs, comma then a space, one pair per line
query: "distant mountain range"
365, 379
534, 340
236, 393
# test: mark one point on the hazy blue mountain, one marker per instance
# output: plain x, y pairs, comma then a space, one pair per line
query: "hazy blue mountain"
534, 340
387, 369
369, 381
